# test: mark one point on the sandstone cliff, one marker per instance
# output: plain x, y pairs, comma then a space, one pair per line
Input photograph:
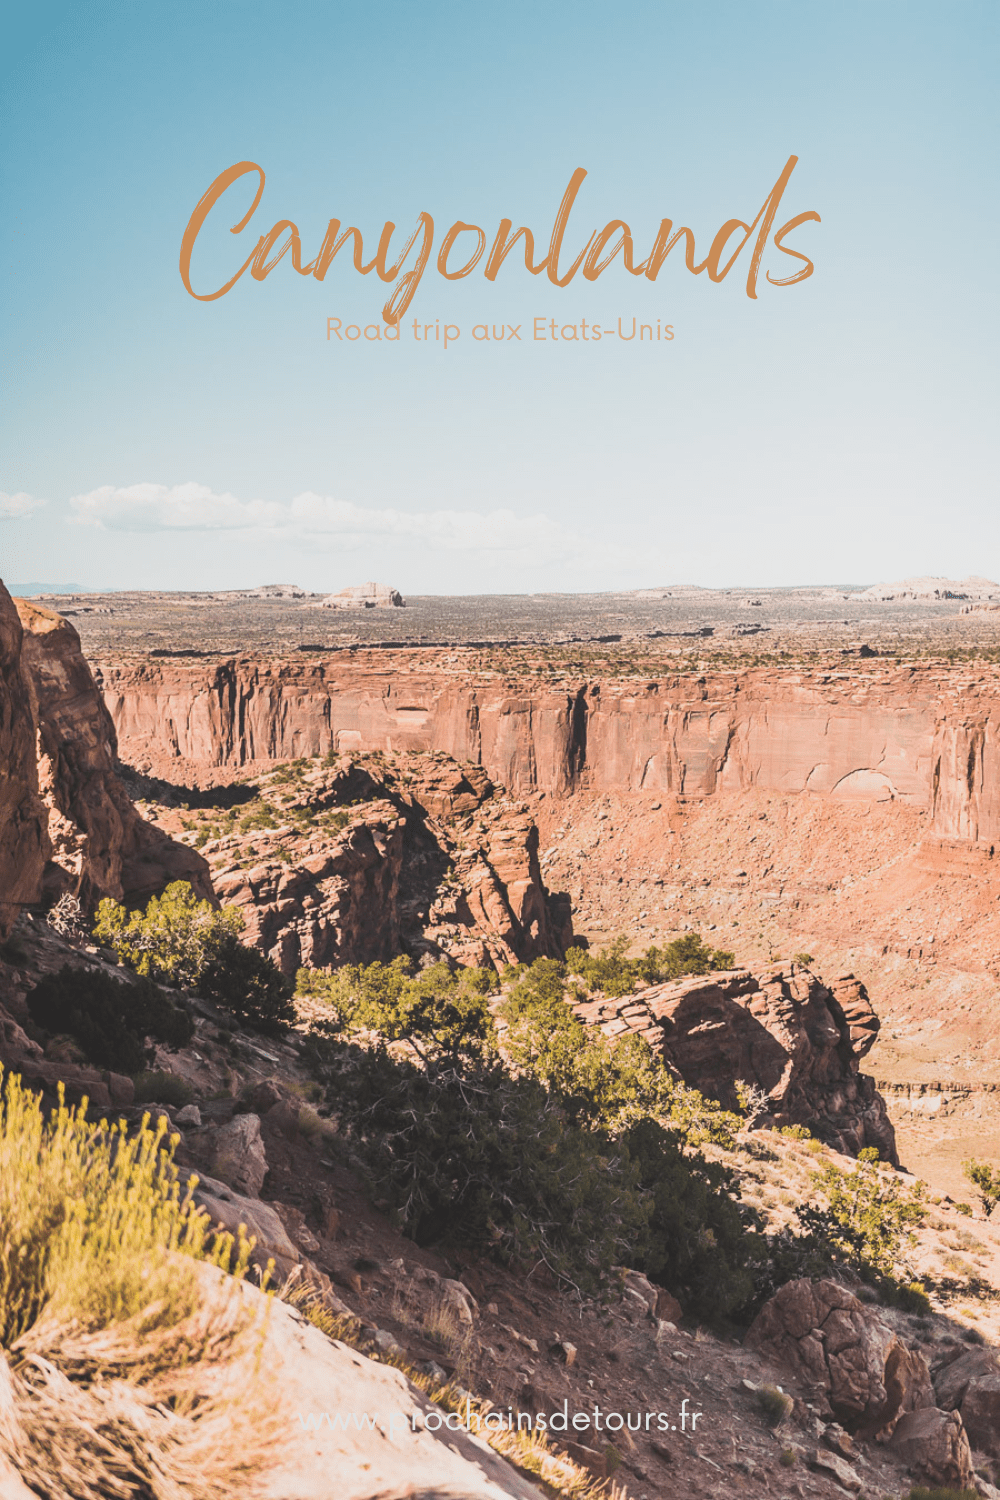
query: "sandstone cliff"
23, 840
784, 1031
919, 737
99, 844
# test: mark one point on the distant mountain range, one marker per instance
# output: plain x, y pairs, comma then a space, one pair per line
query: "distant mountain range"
25, 590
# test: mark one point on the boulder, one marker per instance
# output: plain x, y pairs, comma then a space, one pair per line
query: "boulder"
823, 1462
841, 1350
120, 1088
971, 1385
456, 1296
934, 1446
294, 1221
284, 1117
238, 1155
262, 1096
228, 1209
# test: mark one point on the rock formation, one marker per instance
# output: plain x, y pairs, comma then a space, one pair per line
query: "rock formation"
357, 861
906, 735
95, 841
784, 1032
970, 1383
931, 588
24, 843
843, 1352
365, 596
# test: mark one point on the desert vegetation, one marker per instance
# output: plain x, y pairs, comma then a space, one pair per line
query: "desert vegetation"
110, 1325
489, 1116
191, 944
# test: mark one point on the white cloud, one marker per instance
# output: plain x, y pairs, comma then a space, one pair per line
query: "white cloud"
194, 507
179, 507
14, 507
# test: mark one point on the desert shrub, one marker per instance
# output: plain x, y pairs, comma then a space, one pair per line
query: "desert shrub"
438, 1012
606, 1082
796, 1132
93, 1222
100, 1299
158, 1087
173, 939
802, 958
66, 917
466, 1149
480, 1158
108, 1018
696, 1240
868, 1216
940, 1492
249, 984
908, 1296
613, 974
775, 1404
986, 1180
963, 1208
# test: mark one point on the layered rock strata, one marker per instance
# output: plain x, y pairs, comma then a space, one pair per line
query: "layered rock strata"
784, 1032
918, 736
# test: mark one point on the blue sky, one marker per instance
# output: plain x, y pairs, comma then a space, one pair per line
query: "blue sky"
841, 429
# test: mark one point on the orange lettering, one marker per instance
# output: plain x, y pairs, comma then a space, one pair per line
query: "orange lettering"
261, 264
662, 247
407, 285
332, 242
449, 239
204, 207
559, 229
807, 270
593, 267
501, 245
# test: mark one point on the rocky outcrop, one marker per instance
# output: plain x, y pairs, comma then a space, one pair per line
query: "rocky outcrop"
99, 844
909, 735
841, 1351
328, 901
238, 1155
422, 855
911, 589
365, 596
785, 1032
935, 1448
970, 1384
24, 844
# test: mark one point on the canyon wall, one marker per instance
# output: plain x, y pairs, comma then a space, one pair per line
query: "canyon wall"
922, 736
74, 828
24, 844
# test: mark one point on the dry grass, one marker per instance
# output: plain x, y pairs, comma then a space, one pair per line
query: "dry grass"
120, 1335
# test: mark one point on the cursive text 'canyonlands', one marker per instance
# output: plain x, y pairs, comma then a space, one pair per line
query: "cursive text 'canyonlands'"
597, 254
